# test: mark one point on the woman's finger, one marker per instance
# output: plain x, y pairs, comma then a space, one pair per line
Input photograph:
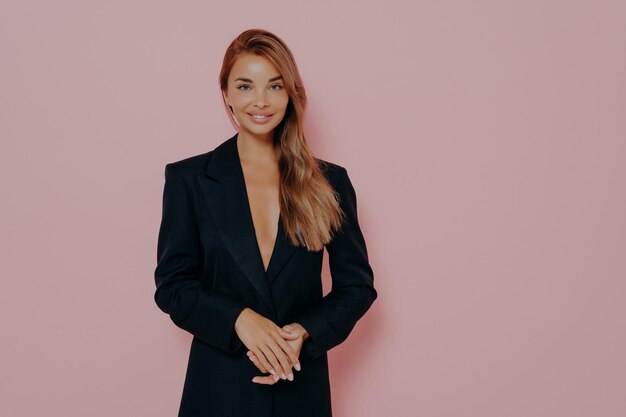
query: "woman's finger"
288, 334
274, 362
256, 363
285, 371
289, 351
266, 380
263, 359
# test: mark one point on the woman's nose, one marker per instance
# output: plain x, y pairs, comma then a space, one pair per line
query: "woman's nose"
261, 98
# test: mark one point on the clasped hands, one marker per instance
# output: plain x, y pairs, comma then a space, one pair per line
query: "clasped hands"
273, 349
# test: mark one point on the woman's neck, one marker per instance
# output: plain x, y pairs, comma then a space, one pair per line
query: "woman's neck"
255, 149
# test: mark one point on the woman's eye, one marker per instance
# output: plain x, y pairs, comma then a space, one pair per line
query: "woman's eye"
247, 87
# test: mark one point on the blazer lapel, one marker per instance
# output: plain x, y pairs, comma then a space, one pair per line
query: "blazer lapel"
226, 197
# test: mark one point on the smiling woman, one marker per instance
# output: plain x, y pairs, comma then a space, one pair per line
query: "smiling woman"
240, 250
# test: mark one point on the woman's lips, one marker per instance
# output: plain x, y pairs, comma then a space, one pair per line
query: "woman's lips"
260, 120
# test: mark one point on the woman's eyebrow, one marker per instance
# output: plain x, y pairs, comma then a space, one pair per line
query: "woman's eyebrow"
248, 80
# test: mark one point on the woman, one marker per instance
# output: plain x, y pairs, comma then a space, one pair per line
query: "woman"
240, 250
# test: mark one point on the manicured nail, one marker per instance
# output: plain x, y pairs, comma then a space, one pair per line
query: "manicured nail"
290, 377
297, 366
273, 372
283, 376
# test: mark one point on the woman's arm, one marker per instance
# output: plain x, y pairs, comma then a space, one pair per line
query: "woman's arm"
207, 315
330, 322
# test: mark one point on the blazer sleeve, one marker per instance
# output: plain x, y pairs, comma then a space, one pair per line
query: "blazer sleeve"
207, 315
330, 321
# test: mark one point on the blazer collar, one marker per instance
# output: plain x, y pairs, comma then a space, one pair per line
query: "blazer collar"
229, 207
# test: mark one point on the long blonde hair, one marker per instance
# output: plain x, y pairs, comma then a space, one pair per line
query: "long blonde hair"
309, 205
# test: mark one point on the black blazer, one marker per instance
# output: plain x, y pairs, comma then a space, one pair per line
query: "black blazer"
209, 269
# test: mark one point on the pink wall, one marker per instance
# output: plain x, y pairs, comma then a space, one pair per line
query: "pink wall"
486, 141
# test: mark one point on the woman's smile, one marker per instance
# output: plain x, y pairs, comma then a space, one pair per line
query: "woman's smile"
260, 119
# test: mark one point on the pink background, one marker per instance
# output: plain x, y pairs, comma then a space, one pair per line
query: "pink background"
486, 142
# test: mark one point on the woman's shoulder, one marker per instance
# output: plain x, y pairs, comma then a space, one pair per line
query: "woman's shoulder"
190, 165
331, 170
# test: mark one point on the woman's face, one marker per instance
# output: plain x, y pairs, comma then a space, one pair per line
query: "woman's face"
255, 87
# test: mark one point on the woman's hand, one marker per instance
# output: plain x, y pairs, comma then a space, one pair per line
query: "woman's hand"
296, 344
267, 341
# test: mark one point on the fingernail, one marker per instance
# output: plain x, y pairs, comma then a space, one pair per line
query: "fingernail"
275, 378
290, 377
283, 376
273, 372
